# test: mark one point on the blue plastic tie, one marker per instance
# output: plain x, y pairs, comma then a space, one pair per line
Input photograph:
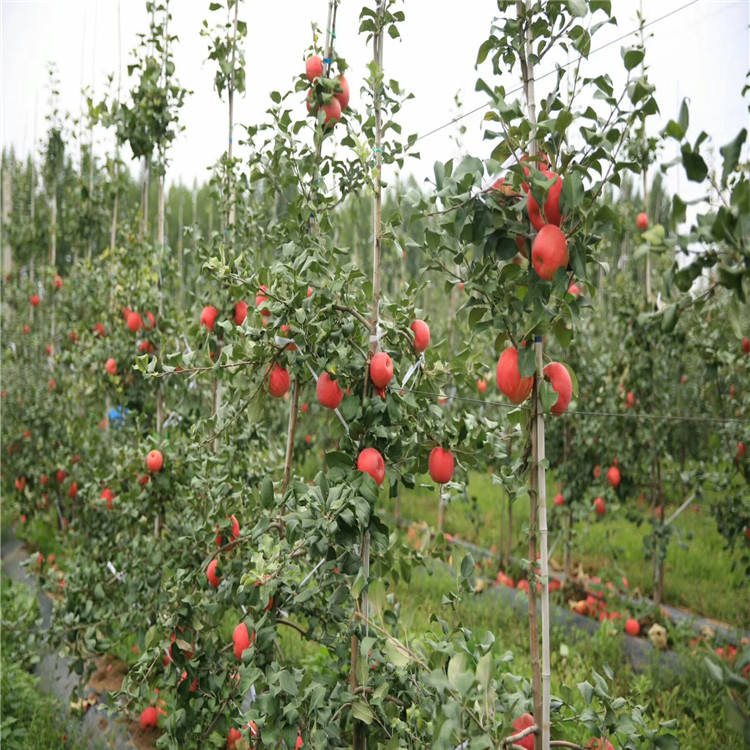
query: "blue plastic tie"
537, 339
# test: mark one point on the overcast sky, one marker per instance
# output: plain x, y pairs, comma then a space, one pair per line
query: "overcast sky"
701, 52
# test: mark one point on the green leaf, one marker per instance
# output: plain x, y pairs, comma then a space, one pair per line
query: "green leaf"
669, 318
731, 153
526, 361
632, 56
563, 333
714, 671
695, 167
361, 711
577, 8
467, 566
684, 116
396, 655
587, 691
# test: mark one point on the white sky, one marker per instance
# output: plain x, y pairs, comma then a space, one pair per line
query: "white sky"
702, 52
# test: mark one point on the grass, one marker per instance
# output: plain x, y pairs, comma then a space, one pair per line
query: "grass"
698, 576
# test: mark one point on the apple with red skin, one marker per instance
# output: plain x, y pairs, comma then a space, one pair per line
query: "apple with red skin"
559, 499
508, 376
58, 282
328, 391
481, 385
599, 506
213, 579
99, 330
240, 312
111, 366
343, 95
234, 532
740, 451
524, 722
505, 580
597, 743
381, 370
629, 400
135, 322
278, 381
632, 627
73, 491
149, 718
549, 252
154, 461
746, 346
34, 299
561, 383
107, 495
441, 464
641, 221
20, 483
551, 214
575, 290
260, 298
371, 462
613, 476
421, 335
208, 316
313, 67
232, 736
241, 639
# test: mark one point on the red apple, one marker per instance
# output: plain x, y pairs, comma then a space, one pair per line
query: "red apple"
332, 112
613, 476
642, 221
278, 381
481, 385
509, 379
549, 252
154, 461
111, 366
740, 450
20, 483
632, 626
746, 345
108, 496
58, 282
60, 476
524, 722
26, 329
149, 718
208, 316
343, 97
561, 383
559, 499
597, 743
574, 290
329, 392
213, 579
99, 330
313, 67
134, 321
73, 491
505, 580
241, 639
441, 465
599, 506
381, 370
34, 299
421, 335
629, 400
371, 462
240, 312
551, 205
260, 298
232, 736
235, 533
146, 347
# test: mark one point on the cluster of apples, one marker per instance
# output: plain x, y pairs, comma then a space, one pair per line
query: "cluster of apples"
339, 101
518, 389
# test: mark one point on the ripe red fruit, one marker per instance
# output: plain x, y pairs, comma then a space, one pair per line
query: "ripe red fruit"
232, 736
235, 532
371, 462
73, 336
574, 290
524, 722
381, 370
241, 639
313, 67
441, 465
421, 335
505, 580
551, 205
260, 298
213, 579
151, 321
60, 476
99, 330
154, 461
298, 743
208, 316
73, 491
746, 346
48, 350
597, 743
147, 347
629, 400
240, 312
613, 476
559, 379
632, 626
26, 329
508, 376
135, 322
278, 382
343, 97
599, 506
481, 385
559, 499
34, 299
642, 221
149, 718
549, 252
328, 391
20, 483
111, 366
58, 282
332, 112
